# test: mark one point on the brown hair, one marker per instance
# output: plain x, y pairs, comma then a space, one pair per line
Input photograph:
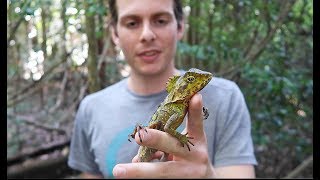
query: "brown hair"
177, 9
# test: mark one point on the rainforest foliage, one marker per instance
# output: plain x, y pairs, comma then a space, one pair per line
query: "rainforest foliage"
60, 50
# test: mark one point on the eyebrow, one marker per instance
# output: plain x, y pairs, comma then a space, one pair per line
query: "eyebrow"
163, 14
135, 16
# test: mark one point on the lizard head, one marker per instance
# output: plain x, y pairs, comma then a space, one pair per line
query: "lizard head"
191, 82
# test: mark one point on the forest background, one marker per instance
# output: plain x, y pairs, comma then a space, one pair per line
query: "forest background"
59, 51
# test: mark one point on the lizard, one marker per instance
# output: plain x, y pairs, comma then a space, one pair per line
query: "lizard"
171, 112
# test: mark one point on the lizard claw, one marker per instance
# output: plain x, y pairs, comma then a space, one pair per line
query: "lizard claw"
137, 129
188, 145
129, 137
139, 136
191, 142
185, 140
205, 113
189, 137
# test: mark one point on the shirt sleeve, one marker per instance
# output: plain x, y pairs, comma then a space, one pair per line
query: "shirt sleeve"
235, 146
81, 156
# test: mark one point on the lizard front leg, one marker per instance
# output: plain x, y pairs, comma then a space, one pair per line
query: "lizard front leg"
136, 129
173, 122
205, 113
153, 125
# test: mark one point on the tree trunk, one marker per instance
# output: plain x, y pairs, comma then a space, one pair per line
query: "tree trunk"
50, 168
92, 51
44, 29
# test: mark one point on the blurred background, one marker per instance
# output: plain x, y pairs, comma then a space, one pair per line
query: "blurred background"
60, 51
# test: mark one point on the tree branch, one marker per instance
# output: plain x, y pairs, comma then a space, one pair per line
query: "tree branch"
251, 42
16, 26
60, 96
40, 151
295, 172
48, 148
32, 121
12, 100
261, 45
72, 107
50, 168
251, 56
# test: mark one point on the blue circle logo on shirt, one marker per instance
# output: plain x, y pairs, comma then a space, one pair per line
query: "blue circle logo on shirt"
116, 144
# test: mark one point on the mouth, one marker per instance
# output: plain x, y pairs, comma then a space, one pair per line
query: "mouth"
149, 55
208, 79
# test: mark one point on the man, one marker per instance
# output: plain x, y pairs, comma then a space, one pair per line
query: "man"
147, 31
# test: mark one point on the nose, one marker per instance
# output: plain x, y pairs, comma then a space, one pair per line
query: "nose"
147, 35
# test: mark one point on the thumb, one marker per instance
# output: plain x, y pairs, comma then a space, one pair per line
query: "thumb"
195, 117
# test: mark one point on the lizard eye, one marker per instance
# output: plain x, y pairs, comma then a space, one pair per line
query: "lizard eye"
190, 78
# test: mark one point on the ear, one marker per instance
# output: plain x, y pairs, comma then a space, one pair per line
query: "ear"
114, 35
181, 28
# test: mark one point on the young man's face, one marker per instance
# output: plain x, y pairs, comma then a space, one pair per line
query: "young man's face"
147, 32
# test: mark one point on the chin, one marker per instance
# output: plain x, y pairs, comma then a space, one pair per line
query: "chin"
150, 70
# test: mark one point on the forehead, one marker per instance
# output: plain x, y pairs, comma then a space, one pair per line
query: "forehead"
143, 7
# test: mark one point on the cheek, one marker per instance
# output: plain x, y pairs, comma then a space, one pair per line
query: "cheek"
126, 45
170, 43
124, 42
168, 35
126, 39
171, 37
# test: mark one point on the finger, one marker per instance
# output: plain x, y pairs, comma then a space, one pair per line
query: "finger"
158, 155
162, 141
195, 118
135, 159
172, 169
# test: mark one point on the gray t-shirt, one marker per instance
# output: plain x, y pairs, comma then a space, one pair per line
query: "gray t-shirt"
106, 118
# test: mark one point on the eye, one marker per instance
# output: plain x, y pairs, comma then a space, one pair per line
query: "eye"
190, 78
161, 22
131, 24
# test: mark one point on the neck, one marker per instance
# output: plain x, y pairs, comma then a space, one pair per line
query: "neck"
150, 84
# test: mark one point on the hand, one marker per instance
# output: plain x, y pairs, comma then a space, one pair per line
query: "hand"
182, 163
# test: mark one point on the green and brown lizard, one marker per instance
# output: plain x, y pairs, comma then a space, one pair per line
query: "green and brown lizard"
171, 112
